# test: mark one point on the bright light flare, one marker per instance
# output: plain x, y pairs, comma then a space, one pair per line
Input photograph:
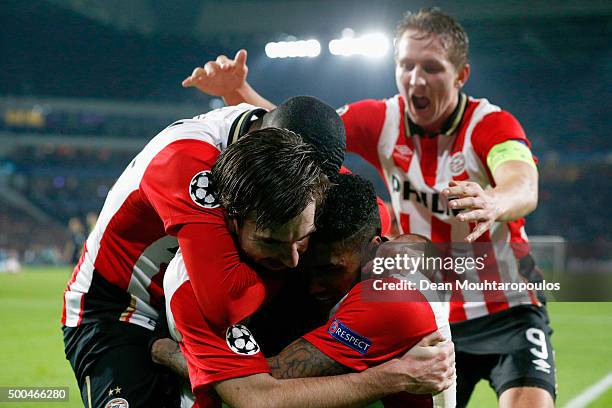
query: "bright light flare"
373, 45
293, 49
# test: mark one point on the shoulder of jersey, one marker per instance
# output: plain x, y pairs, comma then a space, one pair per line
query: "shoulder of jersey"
365, 103
212, 127
225, 113
484, 103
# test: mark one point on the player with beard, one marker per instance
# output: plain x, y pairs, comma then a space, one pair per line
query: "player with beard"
458, 169
164, 201
363, 329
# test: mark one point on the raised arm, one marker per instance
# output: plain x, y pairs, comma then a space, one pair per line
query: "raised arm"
226, 78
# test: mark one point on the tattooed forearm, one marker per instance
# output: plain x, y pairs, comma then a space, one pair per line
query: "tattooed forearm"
299, 359
167, 352
302, 359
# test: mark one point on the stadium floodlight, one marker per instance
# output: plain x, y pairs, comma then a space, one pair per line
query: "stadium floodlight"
373, 45
293, 49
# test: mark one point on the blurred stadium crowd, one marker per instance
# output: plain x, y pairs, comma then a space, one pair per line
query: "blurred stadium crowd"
62, 150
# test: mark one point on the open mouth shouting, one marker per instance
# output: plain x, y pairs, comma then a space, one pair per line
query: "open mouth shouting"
420, 103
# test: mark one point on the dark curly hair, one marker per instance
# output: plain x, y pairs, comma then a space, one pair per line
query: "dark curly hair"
350, 212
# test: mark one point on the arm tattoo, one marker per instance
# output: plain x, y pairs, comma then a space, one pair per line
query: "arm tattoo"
167, 353
302, 359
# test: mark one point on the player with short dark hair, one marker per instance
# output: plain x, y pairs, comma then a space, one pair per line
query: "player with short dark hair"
458, 169
161, 202
355, 224
245, 182
300, 115
164, 201
348, 223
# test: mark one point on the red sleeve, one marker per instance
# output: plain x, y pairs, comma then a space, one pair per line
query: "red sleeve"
167, 183
496, 128
213, 354
363, 333
363, 121
227, 289
175, 183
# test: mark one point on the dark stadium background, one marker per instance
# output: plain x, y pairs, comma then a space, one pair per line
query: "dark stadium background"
109, 73
84, 84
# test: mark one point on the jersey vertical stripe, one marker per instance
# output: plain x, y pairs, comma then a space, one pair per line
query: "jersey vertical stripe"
120, 273
416, 169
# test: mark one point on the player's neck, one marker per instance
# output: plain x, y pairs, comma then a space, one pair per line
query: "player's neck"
256, 125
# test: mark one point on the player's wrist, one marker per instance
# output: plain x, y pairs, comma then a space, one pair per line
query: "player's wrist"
244, 89
155, 350
237, 95
392, 376
499, 206
232, 98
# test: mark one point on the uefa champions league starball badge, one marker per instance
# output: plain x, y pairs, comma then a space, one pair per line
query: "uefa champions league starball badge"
200, 190
240, 340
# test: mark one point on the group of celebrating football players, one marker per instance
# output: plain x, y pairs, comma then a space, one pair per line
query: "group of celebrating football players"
230, 260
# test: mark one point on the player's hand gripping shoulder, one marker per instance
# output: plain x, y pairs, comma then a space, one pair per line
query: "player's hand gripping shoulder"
427, 368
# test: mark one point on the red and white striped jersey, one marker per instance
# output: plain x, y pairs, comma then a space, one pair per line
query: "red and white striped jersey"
417, 167
120, 274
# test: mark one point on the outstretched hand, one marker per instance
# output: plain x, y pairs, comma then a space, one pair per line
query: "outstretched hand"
220, 77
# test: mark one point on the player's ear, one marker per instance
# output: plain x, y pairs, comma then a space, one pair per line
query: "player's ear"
462, 76
373, 245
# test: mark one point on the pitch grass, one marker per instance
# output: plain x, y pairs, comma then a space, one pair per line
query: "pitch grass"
31, 347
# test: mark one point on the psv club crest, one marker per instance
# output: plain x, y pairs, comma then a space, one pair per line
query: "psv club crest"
457, 163
201, 192
117, 403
